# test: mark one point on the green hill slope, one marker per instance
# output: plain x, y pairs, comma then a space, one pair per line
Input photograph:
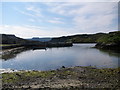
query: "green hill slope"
109, 41
80, 38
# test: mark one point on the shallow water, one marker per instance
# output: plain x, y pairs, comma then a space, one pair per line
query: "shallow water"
53, 58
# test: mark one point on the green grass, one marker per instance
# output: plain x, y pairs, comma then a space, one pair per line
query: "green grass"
27, 75
8, 44
113, 37
107, 71
21, 76
18, 76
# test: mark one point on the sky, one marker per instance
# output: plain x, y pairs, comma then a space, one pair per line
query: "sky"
55, 19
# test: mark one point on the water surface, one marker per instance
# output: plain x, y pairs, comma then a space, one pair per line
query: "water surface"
53, 58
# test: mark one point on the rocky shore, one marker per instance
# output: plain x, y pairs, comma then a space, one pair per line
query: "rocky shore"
11, 53
12, 50
7, 71
72, 78
113, 47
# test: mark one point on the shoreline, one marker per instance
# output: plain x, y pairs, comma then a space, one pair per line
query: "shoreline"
77, 77
9, 70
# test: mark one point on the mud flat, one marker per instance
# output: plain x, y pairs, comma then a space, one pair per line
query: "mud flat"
72, 78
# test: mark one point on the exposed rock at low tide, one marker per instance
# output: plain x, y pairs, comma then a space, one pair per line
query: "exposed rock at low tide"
74, 78
112, 46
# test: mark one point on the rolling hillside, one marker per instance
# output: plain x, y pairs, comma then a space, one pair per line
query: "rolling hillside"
109, 41
12, 39
81, 38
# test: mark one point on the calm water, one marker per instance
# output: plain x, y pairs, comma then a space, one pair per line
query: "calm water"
53, 58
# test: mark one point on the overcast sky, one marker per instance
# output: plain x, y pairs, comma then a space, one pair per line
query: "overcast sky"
51, 19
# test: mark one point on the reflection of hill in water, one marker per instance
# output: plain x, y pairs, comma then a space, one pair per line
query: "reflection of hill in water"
13, 53
110, 52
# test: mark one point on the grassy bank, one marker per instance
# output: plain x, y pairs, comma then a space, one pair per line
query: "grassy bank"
112, 37
64, 78
110, 41
8, 44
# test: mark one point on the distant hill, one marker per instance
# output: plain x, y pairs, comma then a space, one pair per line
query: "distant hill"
40, 39
111, 39
80, 38
12, 39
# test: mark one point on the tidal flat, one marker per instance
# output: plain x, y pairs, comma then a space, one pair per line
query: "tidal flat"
70, 78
